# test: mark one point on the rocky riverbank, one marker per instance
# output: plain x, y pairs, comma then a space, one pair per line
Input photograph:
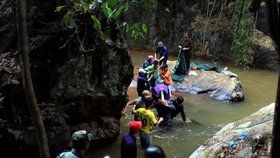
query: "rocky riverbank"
248, 137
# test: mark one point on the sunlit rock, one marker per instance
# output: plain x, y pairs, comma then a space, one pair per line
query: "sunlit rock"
258, 133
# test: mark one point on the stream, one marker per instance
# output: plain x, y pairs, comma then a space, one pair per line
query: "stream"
179, 142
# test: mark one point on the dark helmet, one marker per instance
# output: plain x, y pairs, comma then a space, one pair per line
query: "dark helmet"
154, 151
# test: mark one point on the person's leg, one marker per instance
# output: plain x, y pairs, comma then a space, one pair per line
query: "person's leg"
144, 139
169, 120
187, 58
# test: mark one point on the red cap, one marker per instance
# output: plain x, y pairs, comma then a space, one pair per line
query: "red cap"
134, 126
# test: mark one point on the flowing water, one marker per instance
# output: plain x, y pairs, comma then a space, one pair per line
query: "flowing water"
179, 142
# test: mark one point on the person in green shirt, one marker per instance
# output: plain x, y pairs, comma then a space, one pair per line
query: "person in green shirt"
185, 47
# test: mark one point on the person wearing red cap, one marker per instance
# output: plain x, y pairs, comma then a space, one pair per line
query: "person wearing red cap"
128, 143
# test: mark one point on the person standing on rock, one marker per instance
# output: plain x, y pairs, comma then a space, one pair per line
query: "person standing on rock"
80, 143
163, 53
128, 143
185, 48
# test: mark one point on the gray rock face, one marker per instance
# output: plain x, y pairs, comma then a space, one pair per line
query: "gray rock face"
265, 52
76, 76
257, 124
220, 86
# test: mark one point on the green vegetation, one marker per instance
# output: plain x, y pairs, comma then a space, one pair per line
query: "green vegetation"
242, 35
112, 10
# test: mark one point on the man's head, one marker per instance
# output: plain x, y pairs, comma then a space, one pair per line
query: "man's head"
134, 127
155, 63
141, 72
146, 93
150, 58
149, 102
186, 35
154, 151
160, 44
81, 139
179, 99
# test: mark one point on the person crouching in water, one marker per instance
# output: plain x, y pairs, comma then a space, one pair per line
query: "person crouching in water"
148, 120
128, 143
179, 108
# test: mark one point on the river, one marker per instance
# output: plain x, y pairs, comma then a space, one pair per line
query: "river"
179, 142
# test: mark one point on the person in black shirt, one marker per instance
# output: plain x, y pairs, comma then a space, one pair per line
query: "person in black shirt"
179, 108
185, 46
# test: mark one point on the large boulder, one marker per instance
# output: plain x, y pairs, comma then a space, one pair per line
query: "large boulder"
220, 86
265, 55
243, 138
80, 81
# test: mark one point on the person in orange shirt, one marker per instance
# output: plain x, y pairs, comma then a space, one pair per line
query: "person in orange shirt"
165, 75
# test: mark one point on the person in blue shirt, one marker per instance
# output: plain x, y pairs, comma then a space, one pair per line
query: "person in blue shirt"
80, 143
142, 82
163, 53
128, 143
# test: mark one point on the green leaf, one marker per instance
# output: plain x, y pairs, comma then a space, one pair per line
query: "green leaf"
85, 6
112, 2
135, 26
96, 23
127, 28
106, 10
68, 20
120, 10
58, 9
102, 35
144, 28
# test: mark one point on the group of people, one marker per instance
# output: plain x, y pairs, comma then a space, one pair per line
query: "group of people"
154, 92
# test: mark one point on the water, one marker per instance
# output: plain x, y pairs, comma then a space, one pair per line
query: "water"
183, 139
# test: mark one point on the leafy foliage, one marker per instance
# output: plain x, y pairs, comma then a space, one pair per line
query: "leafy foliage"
242, 36
111, 9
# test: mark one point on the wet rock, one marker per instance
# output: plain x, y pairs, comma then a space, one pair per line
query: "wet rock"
216, 85
246, 147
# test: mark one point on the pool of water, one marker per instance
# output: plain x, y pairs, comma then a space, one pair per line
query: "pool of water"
259, 88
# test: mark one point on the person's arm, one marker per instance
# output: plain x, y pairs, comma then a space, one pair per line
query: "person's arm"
187, 46
160, 120
181, 109
133, 102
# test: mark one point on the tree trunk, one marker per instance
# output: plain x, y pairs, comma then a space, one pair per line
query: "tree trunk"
35, 112
273, 7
